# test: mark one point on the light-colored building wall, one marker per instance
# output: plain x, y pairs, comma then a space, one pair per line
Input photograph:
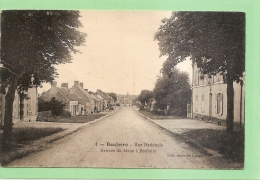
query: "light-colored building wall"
31, 105
23, 109
74, 108
87, 103
209, 98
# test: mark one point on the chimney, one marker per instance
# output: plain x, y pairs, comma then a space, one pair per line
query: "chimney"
86, 90
98, 91
65, 85
81, 84
54, 83
76, 83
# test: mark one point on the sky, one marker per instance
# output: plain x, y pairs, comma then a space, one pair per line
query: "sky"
120, 54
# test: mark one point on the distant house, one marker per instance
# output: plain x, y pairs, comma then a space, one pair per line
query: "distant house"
24, 108
88, 102
102, 102
111, 101
209, 98
97, 107
126, 99
105, 97
62, 94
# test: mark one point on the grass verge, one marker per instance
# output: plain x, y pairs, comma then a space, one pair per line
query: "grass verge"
229, 144
151, 115
21, 137
80, 119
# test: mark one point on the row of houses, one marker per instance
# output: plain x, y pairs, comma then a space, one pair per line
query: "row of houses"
79, 101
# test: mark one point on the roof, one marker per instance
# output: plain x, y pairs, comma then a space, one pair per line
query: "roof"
104, 95
96, 98
101, 98
84, 91
57, 92
70, 96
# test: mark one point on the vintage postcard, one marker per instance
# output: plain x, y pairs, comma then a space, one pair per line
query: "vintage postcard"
123, 89
128, 92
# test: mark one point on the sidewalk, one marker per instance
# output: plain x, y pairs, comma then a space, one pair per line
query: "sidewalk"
183, 125
180, 126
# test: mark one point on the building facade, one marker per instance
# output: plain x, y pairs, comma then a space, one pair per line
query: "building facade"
24, 109
62, 94
209, 98
87, 101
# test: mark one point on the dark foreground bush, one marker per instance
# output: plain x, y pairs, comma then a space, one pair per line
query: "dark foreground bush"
19, 146
159, 112
65, 114
230, 144
25, 135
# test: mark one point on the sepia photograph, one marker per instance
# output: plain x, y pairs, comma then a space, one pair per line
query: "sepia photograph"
123, 89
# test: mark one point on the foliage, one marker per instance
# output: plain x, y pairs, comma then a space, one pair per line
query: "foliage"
215, 41
65, 114
144, 96
174, 91
80, 119
56, 107
113, 95
32, 42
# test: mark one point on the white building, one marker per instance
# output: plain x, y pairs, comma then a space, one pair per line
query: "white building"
209, 98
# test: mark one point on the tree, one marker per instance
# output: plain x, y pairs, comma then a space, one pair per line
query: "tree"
144, 96
56, 107
113, 95
174, 91
32, 43
215, 41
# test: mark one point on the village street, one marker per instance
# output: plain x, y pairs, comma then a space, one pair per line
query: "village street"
141, 143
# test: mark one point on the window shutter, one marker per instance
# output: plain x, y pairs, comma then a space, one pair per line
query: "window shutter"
221, 104
216, 103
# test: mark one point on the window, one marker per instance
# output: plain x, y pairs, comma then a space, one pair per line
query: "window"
198, 79
195, 78
196, 102
202, 103
219, 103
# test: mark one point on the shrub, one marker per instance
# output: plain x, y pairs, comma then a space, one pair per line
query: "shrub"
159, 112
141, 107
111, 108
56, 107
65, 114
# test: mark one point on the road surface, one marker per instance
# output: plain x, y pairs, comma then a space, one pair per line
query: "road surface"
123, 140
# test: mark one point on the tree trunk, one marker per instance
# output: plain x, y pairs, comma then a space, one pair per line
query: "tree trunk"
9, 100
230, 104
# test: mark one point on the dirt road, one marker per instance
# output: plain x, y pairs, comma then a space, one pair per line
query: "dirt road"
123, 140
